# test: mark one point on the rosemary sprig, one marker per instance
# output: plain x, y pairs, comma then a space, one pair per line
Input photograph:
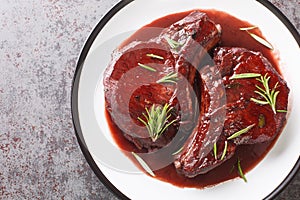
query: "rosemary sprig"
155, 56
245, 75
224, 150
269, 96
143, 164
241, 171
147, 67
169, 78
157, 120
245, 130
173, 44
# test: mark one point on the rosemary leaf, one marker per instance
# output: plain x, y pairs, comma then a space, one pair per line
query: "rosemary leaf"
232, 168
143, 164
273, 90
264, 95
245, 130
265, 81
169, 78
256, 37
241, 171
259, 101
248, 28
215, 150
155, 56
173, 44
170, 123
143, 121
261, 40
224, 151
282, 111
262, 90
178, 151
245, 75
274, 101
147, 67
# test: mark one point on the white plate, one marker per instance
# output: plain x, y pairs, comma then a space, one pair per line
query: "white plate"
266, 180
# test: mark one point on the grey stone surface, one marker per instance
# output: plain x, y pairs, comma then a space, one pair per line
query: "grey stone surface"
40, 42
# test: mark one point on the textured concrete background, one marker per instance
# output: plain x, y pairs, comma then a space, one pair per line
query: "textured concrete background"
39, 45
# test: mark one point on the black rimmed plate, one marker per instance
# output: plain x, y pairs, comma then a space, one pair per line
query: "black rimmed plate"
264, 181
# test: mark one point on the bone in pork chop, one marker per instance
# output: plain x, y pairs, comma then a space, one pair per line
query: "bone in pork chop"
247, 110
130, 88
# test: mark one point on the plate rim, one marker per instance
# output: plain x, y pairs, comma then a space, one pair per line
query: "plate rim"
75, 86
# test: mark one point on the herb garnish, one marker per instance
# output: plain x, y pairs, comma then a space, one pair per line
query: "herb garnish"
257, 38
173, 44
245, 75
157, 120
241, 171
224, 150
245, 130
215, 150
282, 111
270, 97
147, 67
248, 28
155, 56
143, 164
169, 78
261, 40
178, 151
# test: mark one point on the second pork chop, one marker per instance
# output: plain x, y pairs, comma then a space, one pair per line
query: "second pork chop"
255, 107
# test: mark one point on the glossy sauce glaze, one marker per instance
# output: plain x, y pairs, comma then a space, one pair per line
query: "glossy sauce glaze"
249, 155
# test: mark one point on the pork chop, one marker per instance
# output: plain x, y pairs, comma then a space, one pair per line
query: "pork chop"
245, 79
132, 86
